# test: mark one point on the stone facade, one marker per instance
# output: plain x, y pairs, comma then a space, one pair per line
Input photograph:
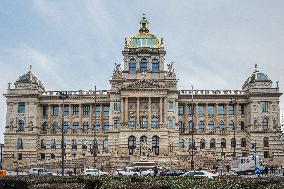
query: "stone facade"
141, 118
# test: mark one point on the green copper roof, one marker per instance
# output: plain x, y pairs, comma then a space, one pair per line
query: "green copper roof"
144, 38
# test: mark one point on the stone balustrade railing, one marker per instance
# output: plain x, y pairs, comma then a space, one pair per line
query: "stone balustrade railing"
212, 92
76, 93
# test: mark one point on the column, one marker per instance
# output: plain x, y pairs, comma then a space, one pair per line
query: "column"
138, 113
161, 111
126, 110
165, 110
186, 113
121, 110
149, 113
101, 117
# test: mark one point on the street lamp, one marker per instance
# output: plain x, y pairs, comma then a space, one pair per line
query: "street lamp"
234, 102
192, 130
63, 96
95, 134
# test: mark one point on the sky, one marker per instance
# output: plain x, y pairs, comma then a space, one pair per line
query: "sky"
73, 44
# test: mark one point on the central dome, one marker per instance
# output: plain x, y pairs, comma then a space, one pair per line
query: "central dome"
144, 38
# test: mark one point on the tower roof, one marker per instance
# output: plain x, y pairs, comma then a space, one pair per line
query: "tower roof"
29, 78
257, 76
144, 38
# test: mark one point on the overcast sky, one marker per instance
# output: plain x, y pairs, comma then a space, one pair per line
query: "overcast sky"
73, 44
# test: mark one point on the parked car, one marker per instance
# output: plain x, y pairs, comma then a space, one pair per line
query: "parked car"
200, 174
149, 172
127, 172
41, 171
171, 172
230, 173
94, 172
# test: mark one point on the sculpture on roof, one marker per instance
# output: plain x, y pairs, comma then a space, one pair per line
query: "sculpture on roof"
117, 72
171, 71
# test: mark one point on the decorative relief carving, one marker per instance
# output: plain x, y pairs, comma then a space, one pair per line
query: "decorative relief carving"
145, 84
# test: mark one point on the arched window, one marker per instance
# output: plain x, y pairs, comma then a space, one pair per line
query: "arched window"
243, 143
85, 126
242, 125
171, 124
52, 156
131, 145
105, 145
84, 144
190, 125
266, 142
202, 144
264, 123
222, 126
143, 64
181, 143
191, 144
211, 126
181, 127
223, 143
232, 125
52, 144
201, 126
155, 145
233, 143
212, 143
74, 144
155, 122
95, 144
131, 122
21, 125
144, 123
54, 126
75, 126
132, 65
42, 144
44, 126
155, 65
106, 126
20, 144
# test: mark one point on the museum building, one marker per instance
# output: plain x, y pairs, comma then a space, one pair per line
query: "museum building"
143, 117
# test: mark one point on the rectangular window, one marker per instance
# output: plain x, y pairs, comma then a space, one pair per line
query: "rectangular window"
210, 109
242, 109
171, 105
55, 110
42, 156
191, 111
116, 124
231, 109
221, 109
44, 110
181, 110
116, 106
266, 154
76, 110
66, 110
200, 109
97, 110
106, 110
86, 109
264, 106
21, 107
20, 156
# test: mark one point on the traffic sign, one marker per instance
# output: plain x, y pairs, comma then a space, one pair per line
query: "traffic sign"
257, 171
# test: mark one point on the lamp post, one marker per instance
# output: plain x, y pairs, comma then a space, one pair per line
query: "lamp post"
192, 130
234, 102
63, 96
95, 134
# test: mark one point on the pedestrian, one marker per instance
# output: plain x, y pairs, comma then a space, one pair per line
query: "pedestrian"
155, 171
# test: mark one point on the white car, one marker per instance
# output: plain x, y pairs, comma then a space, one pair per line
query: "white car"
41, 171
200, 174
127, 172
149, 172
94, 172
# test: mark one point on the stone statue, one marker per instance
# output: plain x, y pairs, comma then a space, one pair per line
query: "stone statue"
171, 71
144, 148
117, 72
